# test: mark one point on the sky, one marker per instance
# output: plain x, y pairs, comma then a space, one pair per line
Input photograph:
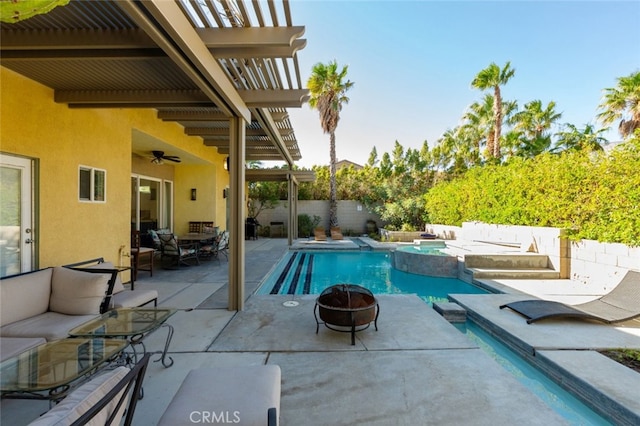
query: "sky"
412, 63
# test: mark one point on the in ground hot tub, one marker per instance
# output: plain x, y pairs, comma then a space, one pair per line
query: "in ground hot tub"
425, 258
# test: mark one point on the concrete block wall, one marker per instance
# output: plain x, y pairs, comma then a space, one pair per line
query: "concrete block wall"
587, 260
352, 215
602, 263
444, 232
549, 241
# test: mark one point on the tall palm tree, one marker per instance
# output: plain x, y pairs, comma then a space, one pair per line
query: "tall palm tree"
622, 103
327, 87
493, 77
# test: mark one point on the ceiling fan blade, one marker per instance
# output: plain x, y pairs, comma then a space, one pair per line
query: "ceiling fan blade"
172, 158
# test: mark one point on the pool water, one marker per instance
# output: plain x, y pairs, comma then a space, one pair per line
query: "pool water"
310, 272
425, 249
561, 401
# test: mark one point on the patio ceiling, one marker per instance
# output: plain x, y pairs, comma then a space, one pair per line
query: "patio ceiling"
197, 62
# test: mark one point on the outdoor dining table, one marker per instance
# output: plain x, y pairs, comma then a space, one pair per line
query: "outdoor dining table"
200, 238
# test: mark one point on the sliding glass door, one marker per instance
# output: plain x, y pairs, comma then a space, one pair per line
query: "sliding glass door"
151, 203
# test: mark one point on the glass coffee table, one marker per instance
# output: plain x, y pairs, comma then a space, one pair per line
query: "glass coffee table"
132, 324
50, 370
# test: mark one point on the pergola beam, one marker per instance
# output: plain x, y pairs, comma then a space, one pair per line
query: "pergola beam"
290, 98
252, 98
187, 97
249, 36
213, 131
126, 43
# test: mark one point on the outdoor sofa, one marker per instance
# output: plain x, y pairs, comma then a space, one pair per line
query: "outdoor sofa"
43, 305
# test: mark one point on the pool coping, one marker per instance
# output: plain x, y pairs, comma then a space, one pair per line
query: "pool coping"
595, 379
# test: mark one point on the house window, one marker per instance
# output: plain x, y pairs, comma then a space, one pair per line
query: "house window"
92, 185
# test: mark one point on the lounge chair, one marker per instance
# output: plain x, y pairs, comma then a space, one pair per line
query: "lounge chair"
620, 304
336, 233
320, 234
105, 399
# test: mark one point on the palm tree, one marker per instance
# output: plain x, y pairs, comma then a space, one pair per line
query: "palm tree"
534, 122
327, 87
622, 103
494, 77
574, 139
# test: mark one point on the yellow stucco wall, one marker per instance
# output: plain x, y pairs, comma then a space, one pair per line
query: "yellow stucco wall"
62, 139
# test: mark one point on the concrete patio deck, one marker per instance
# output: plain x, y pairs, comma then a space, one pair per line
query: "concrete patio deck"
416, 369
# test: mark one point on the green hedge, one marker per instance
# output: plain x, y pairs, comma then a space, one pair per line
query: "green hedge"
595, 196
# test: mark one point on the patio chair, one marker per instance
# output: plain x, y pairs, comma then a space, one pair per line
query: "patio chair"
195, 227
319, 234
175, 253
210, 248
336, 233
223, 244
620, 304
105, 399
142, 257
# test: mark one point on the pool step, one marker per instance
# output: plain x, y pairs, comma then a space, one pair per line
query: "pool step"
452, 312
510, 266
514, 274
507, 261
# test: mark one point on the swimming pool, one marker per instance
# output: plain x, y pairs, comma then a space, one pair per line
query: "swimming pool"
310, 272
561, 401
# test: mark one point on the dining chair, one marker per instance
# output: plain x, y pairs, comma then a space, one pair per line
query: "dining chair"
142, 257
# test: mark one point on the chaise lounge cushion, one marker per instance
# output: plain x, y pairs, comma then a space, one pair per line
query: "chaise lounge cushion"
239, 395
77, 292
85, 397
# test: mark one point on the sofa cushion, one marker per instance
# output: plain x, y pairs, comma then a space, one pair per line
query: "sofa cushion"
25, 295
118, 286
12, 346
50, 325
85, 397
133, 298
77, 292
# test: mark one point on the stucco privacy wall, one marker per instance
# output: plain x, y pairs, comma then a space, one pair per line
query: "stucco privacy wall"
352, 215
62, 139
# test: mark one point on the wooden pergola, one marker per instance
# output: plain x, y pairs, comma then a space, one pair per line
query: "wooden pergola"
225, 70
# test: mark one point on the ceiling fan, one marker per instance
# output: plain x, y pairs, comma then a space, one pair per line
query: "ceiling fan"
159, 157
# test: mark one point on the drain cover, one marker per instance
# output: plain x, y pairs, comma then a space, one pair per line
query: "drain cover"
290, 303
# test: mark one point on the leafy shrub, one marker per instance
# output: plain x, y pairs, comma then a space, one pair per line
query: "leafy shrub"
594, 195
306, 225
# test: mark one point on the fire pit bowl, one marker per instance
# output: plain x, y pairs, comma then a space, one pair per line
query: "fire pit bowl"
347, 308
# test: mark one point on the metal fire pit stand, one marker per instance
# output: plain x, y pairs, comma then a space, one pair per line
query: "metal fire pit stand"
350, 319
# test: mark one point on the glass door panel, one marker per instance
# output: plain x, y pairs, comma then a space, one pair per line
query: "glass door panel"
16, 233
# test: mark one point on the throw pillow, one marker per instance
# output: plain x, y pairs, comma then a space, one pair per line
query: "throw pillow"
76, 292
